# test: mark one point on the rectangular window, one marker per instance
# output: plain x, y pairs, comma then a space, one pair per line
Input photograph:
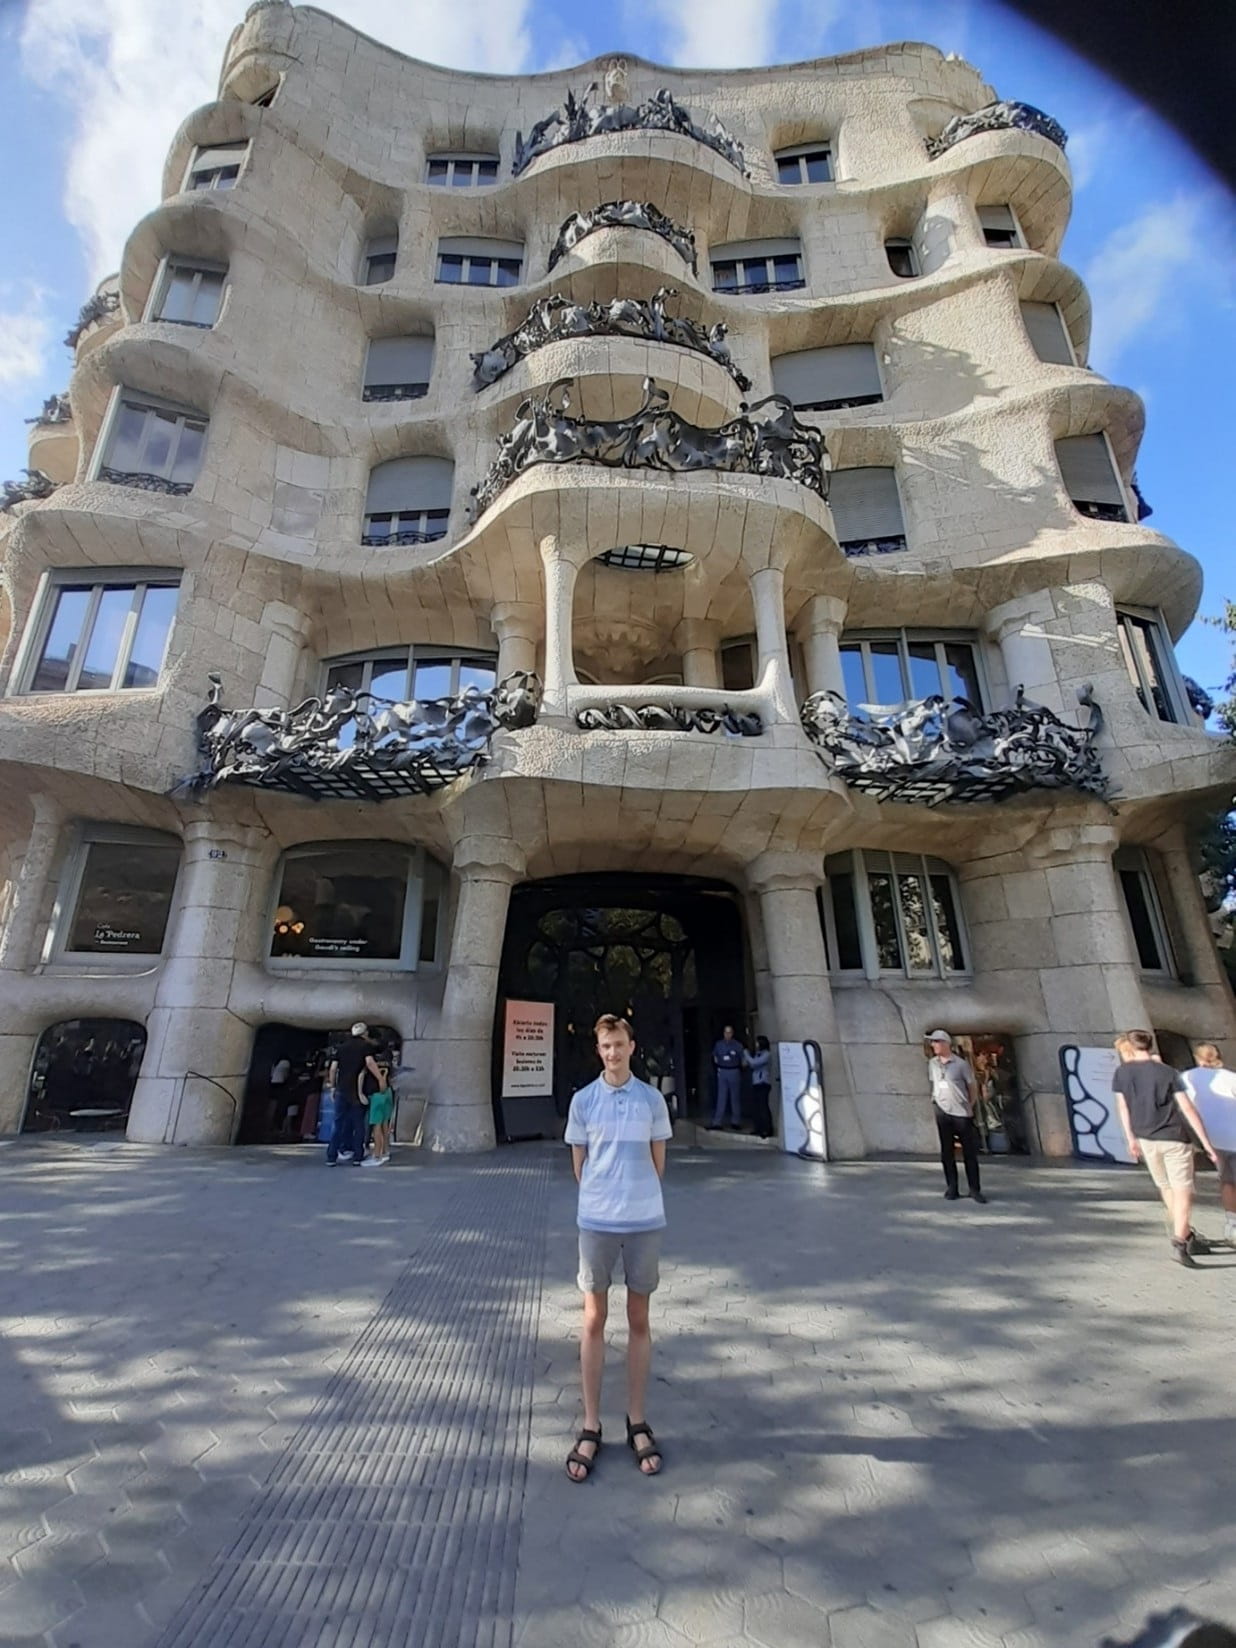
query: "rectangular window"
479, 262
1090, 477
191, 294
774, 272
217, 168
1145, 913
461, 171
821, 380
345, 904
892, 913
101, 637
157, 448
123, 898
849, 948
1049, 337
892, 669
999, 227
398, 369
866, 510
409, 526
379, 260
1147, 656
810, 163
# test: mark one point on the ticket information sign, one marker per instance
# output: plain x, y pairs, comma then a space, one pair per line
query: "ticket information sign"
528, 1049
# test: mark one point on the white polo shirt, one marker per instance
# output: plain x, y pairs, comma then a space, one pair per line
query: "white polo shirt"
619, 1189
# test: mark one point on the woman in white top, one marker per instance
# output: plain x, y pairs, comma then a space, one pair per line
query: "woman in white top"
1213, 1090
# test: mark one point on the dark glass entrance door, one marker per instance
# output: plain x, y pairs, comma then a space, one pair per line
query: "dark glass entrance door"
667, 952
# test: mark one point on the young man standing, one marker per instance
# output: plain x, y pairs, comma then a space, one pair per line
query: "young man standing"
1157, 1115
953, 1096
1212, 1087
617, 1131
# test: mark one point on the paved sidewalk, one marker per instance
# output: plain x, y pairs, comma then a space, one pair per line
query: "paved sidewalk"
245, 1399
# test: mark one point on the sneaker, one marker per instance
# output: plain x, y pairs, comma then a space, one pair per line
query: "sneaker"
977, 1196
374, 1161
1229, 1229
951, 1195
1182, 1256
332, 1161
1198, 1244
345, 1155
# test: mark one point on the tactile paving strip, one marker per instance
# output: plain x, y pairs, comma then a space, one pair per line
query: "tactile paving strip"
393, 1514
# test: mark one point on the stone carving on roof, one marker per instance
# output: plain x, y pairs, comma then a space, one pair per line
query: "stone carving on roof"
765, 439
1004, 116
56, 409
35, 485
348, 745
580, 118
932, 750
668, 718
555, 318
624, 214
95, 309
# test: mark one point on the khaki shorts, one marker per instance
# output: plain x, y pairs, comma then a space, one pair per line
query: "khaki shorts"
1227, 1167
1170, 1164
598, 1255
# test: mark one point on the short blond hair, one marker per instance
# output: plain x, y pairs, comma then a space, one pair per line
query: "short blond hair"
1201, 1047
609, 1022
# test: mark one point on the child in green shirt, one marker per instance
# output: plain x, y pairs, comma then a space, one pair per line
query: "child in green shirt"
381, 1109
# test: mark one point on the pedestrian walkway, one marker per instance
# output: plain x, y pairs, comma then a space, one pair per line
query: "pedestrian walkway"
248, 1401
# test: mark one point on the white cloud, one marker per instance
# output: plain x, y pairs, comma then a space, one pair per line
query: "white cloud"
715, 34
1143, 273
129, 71
25, 333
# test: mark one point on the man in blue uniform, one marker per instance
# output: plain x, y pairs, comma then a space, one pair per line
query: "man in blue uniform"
727, 1057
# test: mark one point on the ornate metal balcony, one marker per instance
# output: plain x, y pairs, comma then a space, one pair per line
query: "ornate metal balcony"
997, 117
624, 214
144, 482
95, 309
930, 750
35, 485
56, 409
619, 717
352, 746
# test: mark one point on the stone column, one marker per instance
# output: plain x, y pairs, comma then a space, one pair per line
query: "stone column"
697, 641
515, 623
29, 900
819, 630
768, 597
1019, 629
197, 1054
460, 1111
287, 635
802, 996
560, 576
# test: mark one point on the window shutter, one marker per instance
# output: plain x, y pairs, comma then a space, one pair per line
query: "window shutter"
382, 246
399, 360
844, 372
756, 248
1086, 466
455, 246
227, 154
865, 504
999, 218
410, 484
1046, 330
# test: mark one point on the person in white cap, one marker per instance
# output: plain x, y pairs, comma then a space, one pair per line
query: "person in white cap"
953, 1096
349, 1067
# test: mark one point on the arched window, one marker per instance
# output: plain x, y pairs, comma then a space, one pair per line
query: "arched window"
902, 257
408, 502
364, 904
892, 913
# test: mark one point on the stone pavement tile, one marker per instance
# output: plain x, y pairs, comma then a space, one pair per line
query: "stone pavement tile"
866, 1627
37, 1603
703, 1613
778, 1620
619, 1591
951, 1632
114, 1624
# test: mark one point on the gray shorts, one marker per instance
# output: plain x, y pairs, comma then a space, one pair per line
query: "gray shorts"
598, 1254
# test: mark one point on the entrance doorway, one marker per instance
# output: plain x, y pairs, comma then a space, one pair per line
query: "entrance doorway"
667, 952
83, 1076
283, 1092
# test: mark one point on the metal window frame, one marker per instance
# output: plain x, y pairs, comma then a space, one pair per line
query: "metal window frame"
925, 866
189, 183
940, 638
646, 558
31, 654
85, 834
408, 960
904, 243
1075, 358
405, 520
802, 152
150, 404
416, 652
461, 157
1140, 862
1165, 652
1020, 243
1129, 502
169, 268
749, 288
466, 261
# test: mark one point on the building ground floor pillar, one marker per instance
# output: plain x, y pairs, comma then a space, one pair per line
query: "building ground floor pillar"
459, 1116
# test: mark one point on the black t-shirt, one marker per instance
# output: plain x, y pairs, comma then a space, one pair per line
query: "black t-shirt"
351, 1061
1149, 1089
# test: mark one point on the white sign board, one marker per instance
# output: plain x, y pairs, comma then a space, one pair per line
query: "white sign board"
802, 1100
528, 1050
1093, 1118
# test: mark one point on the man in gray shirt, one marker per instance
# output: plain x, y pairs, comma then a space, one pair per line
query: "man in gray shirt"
953, 1094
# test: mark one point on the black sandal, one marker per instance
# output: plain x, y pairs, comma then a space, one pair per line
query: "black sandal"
577, 1458
649, 1451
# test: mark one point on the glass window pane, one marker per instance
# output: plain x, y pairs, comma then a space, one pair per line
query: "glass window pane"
480, 676
178, 301
126, 442
433, 680
461, 176
962, 673
508, 271
206, 305
952, 957
438, 170
390, 680
160, 437
150, 639
819, 168
125, 897
226, 176
346, 675
1141, 919
888, 946
845, 921
479, 271
852, 674
886, 672
106, 636
450, 267
487, 170
787, 267
431, 909
787, 170
914, 923
738, 667
724, 276
1143, 639
924, 671
188, 453
63, 637
343, 905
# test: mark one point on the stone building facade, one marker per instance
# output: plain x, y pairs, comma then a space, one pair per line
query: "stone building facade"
279, 412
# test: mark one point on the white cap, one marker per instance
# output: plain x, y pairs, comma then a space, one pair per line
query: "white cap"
360, 1028
940, 1035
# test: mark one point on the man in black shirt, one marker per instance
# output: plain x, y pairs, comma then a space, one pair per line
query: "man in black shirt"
352, 1063
1154, 1110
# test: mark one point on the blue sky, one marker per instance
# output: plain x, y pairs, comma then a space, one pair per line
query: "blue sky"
94, 89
